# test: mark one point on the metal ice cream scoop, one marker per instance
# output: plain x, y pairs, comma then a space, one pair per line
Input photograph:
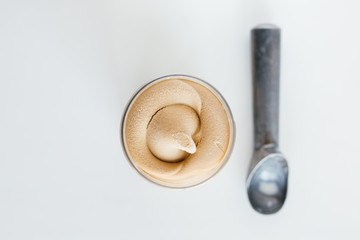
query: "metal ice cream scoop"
268, 173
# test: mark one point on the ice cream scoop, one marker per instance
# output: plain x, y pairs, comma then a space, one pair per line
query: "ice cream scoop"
268, 172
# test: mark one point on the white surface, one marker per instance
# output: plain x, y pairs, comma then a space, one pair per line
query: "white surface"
67, 69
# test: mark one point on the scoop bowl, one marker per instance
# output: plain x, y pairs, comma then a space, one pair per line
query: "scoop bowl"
267, 180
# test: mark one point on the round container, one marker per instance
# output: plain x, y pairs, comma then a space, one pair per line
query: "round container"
225, 107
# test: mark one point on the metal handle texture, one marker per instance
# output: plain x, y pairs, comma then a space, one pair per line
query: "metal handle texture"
266, 74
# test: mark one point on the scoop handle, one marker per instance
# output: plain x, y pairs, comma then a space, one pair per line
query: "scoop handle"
266, 73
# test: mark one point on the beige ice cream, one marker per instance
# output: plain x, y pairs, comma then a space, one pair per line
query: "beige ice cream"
173, 132
177, 132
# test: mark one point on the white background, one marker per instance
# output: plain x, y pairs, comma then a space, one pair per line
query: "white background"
68, 68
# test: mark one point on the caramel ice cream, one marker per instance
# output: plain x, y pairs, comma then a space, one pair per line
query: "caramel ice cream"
176, 132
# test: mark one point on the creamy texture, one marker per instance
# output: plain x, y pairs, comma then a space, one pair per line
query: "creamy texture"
176, 131
173, 133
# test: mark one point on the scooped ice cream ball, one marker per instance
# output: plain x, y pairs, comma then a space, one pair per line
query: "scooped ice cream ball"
173, 132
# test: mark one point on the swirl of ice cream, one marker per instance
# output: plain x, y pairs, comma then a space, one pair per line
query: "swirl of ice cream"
173, 133
176, 131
